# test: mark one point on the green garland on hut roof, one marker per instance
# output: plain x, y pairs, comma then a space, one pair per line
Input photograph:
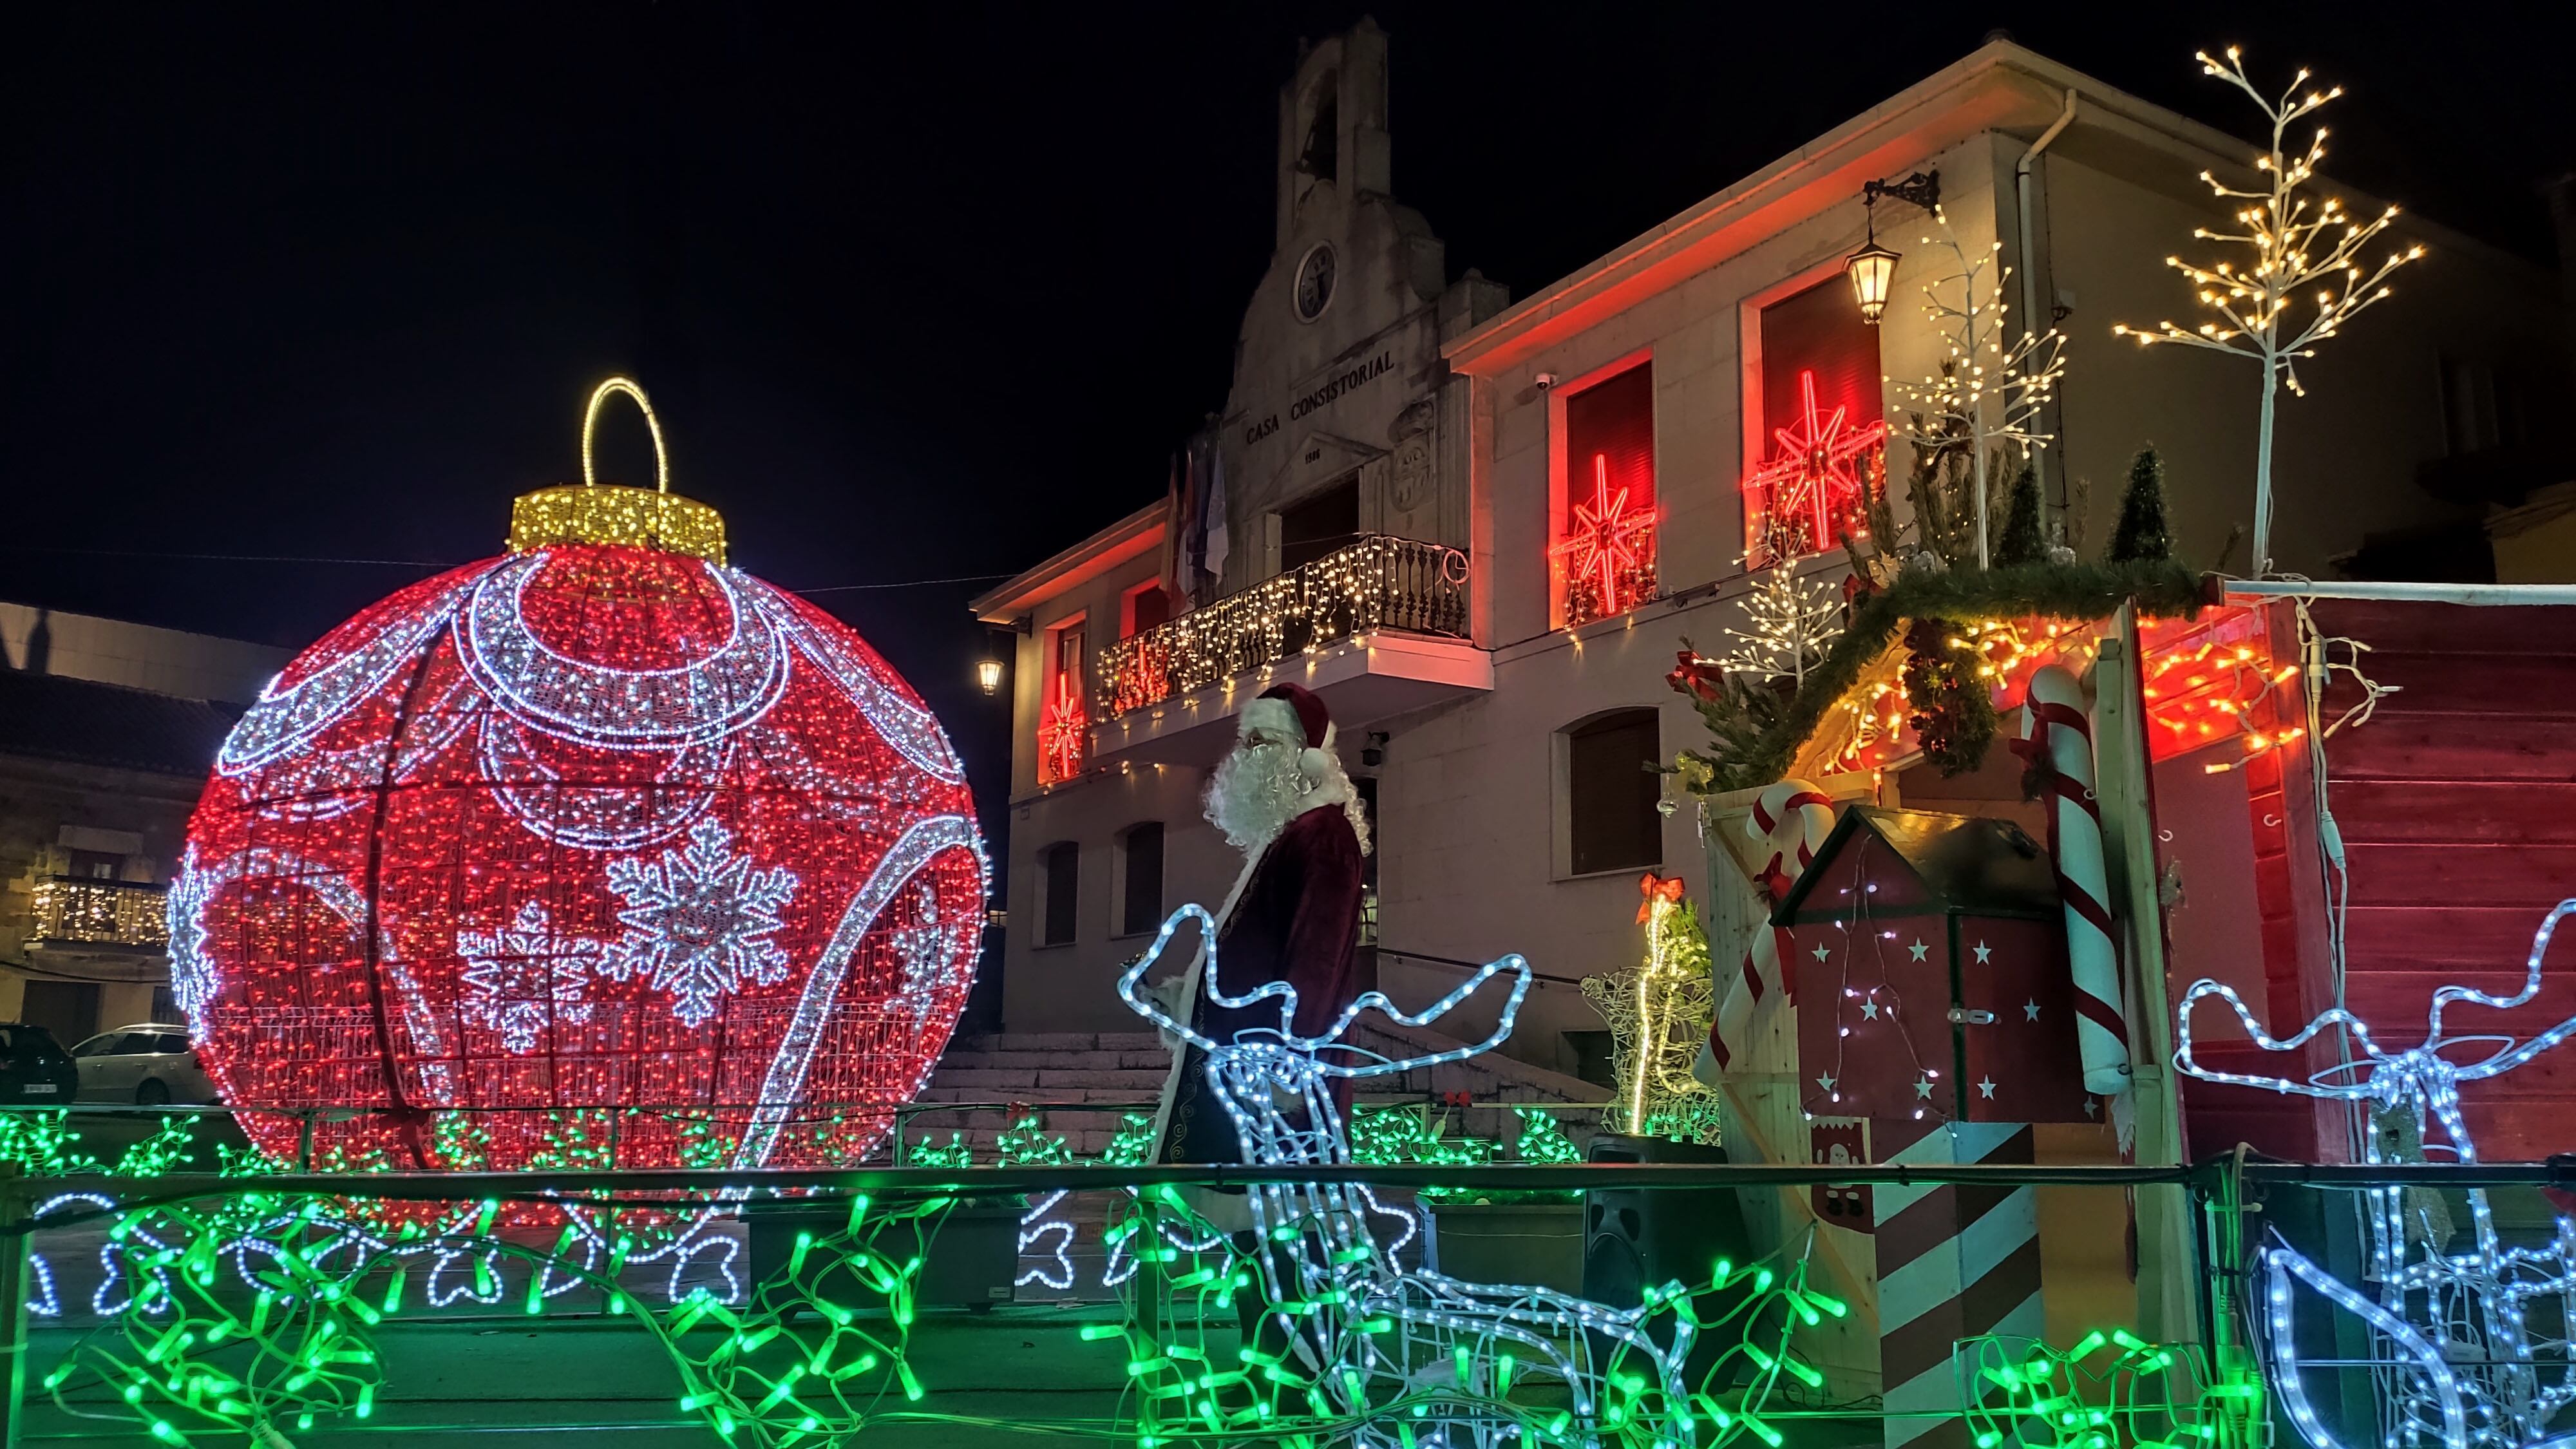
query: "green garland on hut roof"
1758, 731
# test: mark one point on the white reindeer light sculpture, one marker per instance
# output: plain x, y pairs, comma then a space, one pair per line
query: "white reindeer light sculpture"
2461, 1364
1409, 1355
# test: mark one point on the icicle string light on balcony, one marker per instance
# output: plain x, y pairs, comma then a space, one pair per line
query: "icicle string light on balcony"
2472, 1358
1378, 583
112, 912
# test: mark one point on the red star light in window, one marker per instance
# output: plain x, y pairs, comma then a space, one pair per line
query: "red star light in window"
1607, 542
1060, 731
1816, 486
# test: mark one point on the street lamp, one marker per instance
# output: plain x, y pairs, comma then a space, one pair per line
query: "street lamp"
988, 673
1872, 269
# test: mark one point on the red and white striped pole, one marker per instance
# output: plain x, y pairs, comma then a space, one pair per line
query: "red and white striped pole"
2054, 718
1792, 818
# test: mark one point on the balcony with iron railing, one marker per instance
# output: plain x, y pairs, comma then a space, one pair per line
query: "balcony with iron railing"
1378, 628
83, 913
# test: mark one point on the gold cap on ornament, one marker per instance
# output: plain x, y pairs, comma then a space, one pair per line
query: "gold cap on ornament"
595, 512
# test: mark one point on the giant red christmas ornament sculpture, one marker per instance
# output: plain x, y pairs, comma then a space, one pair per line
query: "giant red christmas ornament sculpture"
598, 852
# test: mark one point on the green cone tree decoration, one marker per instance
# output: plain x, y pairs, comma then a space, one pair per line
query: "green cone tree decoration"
2142, 535
2023, 542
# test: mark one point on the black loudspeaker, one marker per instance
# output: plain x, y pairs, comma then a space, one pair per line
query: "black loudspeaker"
1635, 1237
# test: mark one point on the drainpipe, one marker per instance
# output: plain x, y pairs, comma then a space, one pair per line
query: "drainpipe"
2029, 259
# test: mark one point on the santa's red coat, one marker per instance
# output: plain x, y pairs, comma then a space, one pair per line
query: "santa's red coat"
1297, 921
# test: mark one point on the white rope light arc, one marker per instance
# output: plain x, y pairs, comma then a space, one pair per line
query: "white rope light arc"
590, 424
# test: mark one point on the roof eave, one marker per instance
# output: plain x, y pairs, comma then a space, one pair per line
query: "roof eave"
1102, 551
1999, 86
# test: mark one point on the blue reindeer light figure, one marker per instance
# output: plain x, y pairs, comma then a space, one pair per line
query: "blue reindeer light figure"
1412, 1355
2462, 1364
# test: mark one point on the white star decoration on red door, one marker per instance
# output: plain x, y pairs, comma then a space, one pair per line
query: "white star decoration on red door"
1606, 542
1817, 473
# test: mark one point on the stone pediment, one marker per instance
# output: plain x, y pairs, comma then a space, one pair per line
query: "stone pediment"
1318, 455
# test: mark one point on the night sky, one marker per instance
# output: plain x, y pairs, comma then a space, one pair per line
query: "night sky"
916, 298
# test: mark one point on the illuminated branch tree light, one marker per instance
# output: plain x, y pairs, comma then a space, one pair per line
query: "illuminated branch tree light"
2298, 244
1985, 392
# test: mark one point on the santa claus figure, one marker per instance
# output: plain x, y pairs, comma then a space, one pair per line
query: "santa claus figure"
1283, 799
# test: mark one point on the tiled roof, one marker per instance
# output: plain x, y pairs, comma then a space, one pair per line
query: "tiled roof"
50, 717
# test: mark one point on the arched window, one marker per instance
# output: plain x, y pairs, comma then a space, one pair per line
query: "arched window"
1140, 889
1059, 887
1320, 157
1610, 792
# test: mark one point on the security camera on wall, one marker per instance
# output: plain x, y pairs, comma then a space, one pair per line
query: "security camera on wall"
1544, 381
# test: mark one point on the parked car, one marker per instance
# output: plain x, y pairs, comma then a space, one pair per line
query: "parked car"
149, 1065
33, 1068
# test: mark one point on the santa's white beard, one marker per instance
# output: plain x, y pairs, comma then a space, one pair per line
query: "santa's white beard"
1254, 793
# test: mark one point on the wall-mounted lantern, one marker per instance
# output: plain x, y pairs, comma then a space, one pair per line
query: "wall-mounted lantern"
1872, 269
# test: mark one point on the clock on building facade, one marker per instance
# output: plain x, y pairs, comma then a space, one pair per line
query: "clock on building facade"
1315, 282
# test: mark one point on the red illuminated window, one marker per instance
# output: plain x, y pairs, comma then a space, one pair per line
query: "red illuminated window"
1146, 605
1823, 449
1603, 558
1062, 721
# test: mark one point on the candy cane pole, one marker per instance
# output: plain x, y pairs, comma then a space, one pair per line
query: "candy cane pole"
1792, 818
2054, 714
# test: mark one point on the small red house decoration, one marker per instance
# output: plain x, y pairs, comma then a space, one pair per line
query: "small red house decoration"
1930, 953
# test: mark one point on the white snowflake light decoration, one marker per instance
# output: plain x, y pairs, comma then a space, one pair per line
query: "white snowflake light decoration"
523, 977
698, 921
929, 949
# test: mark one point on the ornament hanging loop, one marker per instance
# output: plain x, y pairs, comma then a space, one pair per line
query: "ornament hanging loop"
644, 405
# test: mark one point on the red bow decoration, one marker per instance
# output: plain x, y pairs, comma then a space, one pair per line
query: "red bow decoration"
1696, 677
1652, 886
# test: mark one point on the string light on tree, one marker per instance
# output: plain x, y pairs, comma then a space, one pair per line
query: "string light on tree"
1985, 392
2297, 244
1794, 621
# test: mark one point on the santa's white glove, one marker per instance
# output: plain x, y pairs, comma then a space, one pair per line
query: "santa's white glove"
1167, 997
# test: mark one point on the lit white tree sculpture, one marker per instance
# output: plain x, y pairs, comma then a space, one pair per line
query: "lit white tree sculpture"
2298, 244
1986, 391
1793, 621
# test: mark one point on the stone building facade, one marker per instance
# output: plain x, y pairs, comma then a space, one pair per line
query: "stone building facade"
107, 730
1505, 751
1343, 452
